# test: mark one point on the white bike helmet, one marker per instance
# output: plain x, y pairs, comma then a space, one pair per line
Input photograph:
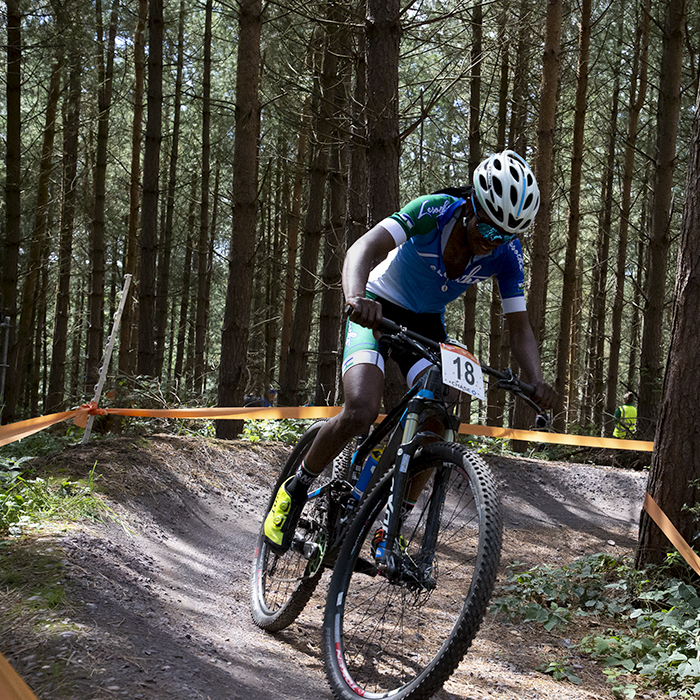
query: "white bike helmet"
507, 191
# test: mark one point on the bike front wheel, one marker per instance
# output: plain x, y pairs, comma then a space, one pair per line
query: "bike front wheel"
281, 585
402, 634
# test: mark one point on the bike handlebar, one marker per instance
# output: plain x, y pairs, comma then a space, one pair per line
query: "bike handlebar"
507, 379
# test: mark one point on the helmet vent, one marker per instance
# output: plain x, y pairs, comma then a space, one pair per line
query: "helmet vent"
496, 214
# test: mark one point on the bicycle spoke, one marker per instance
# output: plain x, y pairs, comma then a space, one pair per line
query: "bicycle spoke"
391, 631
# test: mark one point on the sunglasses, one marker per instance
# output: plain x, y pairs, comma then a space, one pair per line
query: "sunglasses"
489, 232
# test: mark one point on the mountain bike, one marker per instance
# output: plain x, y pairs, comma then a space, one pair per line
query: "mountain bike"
399, 617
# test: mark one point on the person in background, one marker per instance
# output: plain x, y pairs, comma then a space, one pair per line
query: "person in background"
626, 418
270, 397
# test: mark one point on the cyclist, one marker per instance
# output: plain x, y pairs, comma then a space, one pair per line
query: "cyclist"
408, 267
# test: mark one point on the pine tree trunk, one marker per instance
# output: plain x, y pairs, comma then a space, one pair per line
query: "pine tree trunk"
127, 346
151, 172
675, 469
13, 175
544, 167
334, 248
294, 220
356, 223
383, 31
592, 409
201, 326
186, 280
163, 281
71, 124
234, 336
638, 93
290, 391
95, 332
570, 283
37, 248
651, 368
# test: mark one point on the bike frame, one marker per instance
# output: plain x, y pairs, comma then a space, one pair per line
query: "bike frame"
424, 398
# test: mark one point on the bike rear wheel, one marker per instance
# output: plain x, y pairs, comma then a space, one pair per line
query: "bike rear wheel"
402, 636
281, 585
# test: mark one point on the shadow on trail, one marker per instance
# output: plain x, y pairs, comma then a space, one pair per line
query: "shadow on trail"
603, 502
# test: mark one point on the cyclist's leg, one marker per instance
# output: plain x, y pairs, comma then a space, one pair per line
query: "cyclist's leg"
363, 385
363, 382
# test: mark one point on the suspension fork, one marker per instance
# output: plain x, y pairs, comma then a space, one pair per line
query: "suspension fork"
432, 524
387, 561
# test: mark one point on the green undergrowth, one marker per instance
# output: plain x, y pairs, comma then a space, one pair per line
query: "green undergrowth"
286, 430
28, 501
649, 620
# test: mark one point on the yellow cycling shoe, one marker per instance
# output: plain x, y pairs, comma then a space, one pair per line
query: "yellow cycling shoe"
281, 521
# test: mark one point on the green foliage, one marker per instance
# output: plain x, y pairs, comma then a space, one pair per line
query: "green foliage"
560, 672
287, 430
25, 502
653, 621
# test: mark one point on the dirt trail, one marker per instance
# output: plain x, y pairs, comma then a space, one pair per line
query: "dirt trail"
156, 600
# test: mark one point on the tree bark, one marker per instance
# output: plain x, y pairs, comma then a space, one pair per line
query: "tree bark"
638, 91
95, 333
667, 130
334, 248
234, 336
202, 248
570, 283
294, 220
185, 297
544, 167
37, 247
163, 281
675, 466
383, 31
127, 346
325, 74
592, 410
71, 122
13, 175
151, 172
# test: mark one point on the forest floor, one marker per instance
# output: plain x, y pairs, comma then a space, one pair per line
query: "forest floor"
152, 602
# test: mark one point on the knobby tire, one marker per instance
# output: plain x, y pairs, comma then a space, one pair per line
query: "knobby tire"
403, 639
281, 586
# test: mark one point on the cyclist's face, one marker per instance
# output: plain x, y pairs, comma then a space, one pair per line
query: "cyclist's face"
483, 235
478, 244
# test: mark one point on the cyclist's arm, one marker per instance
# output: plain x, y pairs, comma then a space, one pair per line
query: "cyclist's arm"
367, 252
526, 354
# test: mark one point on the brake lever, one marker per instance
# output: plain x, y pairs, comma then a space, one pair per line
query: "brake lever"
511, 383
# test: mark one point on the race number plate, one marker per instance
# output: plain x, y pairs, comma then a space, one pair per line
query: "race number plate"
461, 370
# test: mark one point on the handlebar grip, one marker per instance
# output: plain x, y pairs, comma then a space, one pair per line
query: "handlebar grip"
527, 388
386, 325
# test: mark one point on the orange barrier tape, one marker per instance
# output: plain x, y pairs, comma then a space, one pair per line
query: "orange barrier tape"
12, 687
557, 438
16, 431
669, 529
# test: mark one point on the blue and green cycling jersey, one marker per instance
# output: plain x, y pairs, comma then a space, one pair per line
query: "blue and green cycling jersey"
414, 276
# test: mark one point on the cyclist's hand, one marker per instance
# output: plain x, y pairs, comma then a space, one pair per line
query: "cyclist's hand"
544, 395
365, 312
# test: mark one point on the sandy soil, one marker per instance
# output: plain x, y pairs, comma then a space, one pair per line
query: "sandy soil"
156, 597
